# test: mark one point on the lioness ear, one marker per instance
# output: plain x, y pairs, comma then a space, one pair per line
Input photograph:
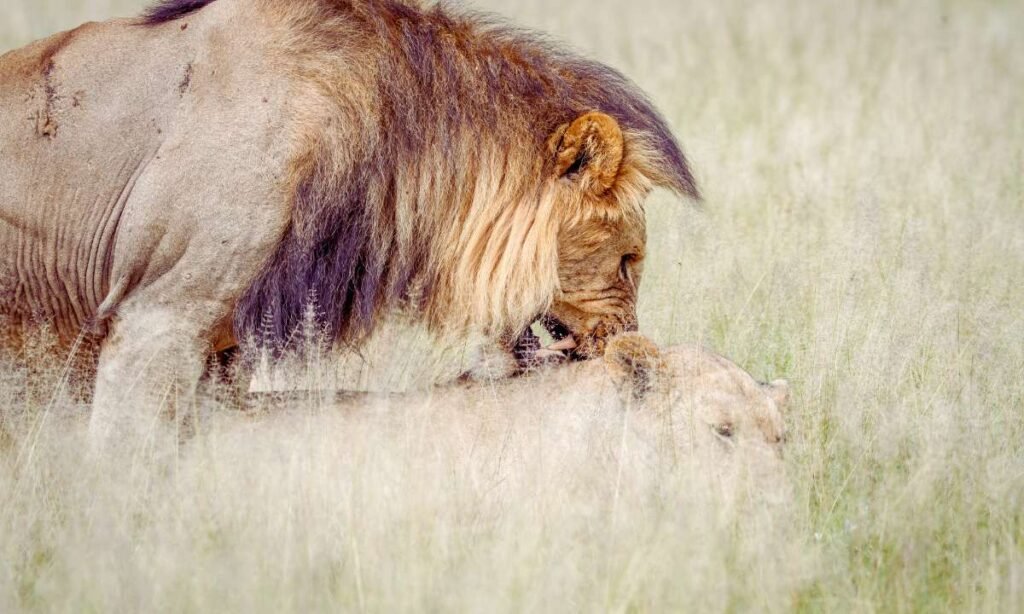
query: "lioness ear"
589, 151
634, 363
778, 391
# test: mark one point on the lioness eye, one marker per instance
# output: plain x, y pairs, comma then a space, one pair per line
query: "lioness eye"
725, 430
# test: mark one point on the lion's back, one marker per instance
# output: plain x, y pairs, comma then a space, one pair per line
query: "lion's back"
109, 133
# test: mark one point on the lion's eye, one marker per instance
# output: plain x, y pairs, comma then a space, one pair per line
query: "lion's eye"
723, 430
624, 266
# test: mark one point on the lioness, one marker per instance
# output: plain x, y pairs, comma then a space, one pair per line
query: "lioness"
217, 170
676, 402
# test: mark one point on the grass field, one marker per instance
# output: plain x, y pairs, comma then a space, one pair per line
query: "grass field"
863, 236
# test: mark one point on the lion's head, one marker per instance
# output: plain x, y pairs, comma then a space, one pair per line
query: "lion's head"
602, 240
598, 176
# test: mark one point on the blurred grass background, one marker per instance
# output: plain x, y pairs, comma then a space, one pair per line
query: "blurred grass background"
863, 235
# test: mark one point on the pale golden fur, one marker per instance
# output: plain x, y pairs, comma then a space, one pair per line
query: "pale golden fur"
677, 401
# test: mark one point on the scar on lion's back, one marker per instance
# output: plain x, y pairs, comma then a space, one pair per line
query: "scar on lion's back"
40, 67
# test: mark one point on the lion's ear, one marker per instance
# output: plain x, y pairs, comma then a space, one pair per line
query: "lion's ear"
635, 364
778, 391
589, 151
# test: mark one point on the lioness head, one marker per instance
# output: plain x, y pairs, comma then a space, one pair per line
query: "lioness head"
710, 404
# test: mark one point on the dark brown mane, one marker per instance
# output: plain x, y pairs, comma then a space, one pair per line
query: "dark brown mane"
445, 83
169, 10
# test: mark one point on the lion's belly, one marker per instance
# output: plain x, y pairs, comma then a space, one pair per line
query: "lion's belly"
55, 244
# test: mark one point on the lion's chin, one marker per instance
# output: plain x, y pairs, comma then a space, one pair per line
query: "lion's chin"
578, 345
530, 353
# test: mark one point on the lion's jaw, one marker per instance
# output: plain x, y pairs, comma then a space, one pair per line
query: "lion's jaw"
590, 332
601, 263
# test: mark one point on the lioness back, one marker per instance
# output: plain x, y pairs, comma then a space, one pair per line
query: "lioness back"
682, 402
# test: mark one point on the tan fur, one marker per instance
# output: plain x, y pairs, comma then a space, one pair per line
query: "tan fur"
214, 172
718, 394
683, 399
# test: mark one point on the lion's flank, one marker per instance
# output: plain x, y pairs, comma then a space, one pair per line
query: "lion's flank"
169, 10
427, 177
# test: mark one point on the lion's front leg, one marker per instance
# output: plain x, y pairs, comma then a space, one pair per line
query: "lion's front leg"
149, 366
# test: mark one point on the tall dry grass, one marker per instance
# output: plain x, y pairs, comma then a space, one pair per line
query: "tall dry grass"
863, 235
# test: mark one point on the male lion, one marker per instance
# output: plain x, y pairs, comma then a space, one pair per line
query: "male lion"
178, 183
